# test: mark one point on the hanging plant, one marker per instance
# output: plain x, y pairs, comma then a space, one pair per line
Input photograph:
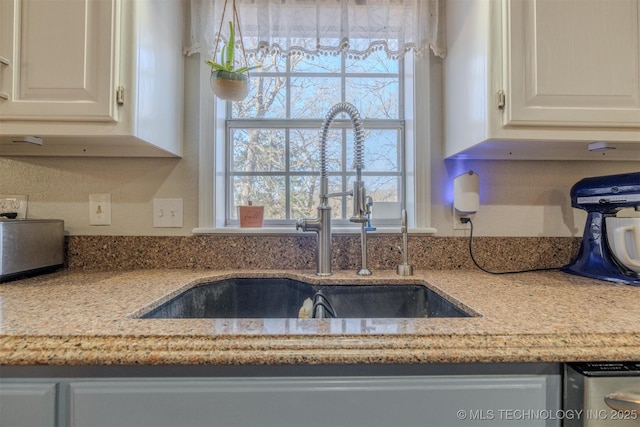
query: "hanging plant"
227, 82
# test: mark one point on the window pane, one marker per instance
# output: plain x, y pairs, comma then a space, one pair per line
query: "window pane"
381, 150
304, 152
267, 99
267, 191
338, 207
375, 97
305, 196
272, 64
258, 150
376, 62
382, 188
316, 64
311, 97
334, 149
379, 188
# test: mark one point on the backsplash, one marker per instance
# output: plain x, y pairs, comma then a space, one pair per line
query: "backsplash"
222, 252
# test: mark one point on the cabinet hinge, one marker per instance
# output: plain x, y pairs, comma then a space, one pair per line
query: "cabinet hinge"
501, 99
120, 95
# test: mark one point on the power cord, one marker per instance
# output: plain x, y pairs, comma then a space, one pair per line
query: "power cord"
468, 220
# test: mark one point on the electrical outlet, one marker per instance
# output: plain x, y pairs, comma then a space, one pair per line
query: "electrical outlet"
167, 212
100, 209
457, 224
14, 204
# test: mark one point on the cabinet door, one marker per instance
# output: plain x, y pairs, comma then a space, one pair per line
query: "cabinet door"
317, 401
573, 63
59, 60
27, 404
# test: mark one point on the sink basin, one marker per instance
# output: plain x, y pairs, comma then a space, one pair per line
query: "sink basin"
283, 298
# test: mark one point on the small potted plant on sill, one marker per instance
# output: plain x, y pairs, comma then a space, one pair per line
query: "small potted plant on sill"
250, 215
227, 82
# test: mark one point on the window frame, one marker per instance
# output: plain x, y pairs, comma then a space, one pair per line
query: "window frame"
212, 160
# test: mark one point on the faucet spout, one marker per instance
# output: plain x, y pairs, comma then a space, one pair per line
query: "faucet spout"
309, 224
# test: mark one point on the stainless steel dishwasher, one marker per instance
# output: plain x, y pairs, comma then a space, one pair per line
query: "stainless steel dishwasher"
602, 394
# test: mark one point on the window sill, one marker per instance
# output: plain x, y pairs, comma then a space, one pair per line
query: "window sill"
293, 231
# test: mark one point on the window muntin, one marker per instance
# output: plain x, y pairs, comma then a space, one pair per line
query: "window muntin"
273, 154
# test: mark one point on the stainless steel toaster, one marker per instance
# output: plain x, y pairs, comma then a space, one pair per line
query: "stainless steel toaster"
30, 246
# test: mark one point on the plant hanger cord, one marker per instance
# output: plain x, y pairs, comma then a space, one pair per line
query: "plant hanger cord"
236, 22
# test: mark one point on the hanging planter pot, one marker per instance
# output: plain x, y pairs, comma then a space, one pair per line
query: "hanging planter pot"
229, 85
228, 82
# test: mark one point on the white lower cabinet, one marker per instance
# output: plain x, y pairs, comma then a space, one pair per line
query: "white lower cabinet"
440, 401
28, 404
477, 400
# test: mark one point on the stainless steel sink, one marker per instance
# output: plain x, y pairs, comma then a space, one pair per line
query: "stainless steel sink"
283, 298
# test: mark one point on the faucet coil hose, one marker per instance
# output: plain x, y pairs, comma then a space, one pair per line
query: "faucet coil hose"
358, 134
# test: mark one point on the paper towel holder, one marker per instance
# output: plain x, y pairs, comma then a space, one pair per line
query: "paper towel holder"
466, 193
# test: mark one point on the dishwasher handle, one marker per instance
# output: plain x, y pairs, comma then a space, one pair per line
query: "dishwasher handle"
624, 400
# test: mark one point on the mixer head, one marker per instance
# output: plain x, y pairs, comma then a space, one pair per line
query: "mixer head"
607, 194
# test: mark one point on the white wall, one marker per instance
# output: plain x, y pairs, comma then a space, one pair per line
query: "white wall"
518, 198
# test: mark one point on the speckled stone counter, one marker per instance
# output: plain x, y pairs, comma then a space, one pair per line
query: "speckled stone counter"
77, 317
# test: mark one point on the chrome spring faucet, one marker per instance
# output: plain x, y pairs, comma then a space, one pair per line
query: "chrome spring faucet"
361, 206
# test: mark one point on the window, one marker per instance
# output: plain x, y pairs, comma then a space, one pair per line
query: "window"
213, 205
272, 137
396, 165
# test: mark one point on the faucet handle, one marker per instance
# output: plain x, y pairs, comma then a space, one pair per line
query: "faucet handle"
369, 202
339, 194
368, 205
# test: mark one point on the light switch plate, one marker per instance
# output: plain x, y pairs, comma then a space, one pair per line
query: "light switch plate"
167, 213
100, 209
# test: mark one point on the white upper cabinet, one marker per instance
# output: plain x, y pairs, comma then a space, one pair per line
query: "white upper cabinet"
62, 65
573, 63
543, 79
91, 77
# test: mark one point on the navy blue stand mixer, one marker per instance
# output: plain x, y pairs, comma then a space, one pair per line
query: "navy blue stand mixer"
603, 197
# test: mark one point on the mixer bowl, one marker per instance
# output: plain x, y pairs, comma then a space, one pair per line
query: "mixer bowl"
623, 237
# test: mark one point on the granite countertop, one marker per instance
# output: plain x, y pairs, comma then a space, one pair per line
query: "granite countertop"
77, 317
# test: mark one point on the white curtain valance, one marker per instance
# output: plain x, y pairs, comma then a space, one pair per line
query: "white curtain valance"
315, 27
